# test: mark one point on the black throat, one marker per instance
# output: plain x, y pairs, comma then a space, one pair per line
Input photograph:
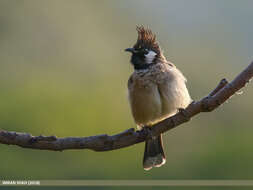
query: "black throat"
142, 66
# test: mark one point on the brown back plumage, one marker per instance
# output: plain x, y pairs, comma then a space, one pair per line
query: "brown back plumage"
146, 39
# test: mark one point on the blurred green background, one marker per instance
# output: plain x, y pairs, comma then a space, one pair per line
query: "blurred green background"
63, 71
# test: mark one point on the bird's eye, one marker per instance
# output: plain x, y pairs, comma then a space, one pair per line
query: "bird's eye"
145, 51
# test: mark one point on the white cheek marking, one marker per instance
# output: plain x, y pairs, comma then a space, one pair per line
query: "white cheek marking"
150, 56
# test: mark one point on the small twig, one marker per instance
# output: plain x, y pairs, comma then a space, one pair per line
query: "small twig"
222, 83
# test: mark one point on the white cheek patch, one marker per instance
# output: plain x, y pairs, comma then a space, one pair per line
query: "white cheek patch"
150, 56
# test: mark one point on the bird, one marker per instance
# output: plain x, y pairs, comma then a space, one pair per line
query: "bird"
156, 91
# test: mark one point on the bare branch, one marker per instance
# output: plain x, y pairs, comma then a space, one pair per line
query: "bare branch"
104, 142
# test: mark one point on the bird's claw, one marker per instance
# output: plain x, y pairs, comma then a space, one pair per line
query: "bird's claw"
147, 131
184, 113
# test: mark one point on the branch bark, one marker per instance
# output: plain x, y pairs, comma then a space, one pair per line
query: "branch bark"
104, 142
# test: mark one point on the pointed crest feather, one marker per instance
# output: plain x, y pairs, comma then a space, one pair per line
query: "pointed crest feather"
146, 39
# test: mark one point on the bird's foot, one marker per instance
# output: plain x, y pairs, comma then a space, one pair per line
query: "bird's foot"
147, 131
184, 114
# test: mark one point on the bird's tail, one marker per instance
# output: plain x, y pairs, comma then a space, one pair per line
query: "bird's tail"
154, 154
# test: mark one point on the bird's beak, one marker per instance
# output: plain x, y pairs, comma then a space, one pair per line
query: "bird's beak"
132, 50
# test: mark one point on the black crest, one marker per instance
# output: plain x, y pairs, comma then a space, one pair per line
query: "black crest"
146, 39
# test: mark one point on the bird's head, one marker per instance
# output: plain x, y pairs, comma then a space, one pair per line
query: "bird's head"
146, 51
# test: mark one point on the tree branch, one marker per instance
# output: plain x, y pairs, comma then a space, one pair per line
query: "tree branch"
104, 142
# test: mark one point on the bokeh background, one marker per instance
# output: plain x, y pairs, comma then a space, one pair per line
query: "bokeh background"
63, 72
